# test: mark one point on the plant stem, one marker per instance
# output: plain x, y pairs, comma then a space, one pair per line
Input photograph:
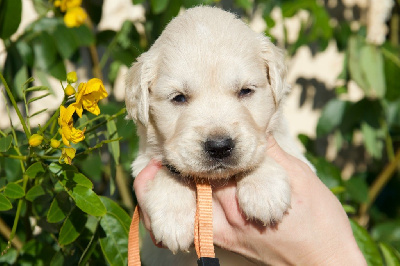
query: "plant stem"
46, 157
107, 53
26, 130
90, 248
27, 112
394, 29
55, 115
109, 118
5, 231
19, 207
22, 158
123, 188
96, 69
377, 186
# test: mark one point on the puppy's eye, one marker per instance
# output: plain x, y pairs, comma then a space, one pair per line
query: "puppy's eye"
180, 98
245, 92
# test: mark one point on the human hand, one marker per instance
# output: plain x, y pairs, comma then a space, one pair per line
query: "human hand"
315, 231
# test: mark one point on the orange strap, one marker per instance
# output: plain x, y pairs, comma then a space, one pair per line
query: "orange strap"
133, 241
203, 225
203, 229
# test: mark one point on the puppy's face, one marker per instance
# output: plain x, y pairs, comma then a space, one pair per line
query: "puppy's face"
210, 98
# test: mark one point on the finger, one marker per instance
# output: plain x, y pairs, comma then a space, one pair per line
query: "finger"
147, 174
139, 185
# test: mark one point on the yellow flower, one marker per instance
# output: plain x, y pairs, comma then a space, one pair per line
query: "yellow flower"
75, 17
71, 77
64, 5
55, 143
69, 90
88, 95
35, 140
67, 154
68, 132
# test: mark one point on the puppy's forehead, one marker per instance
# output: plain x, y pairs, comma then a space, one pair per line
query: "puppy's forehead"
202, 50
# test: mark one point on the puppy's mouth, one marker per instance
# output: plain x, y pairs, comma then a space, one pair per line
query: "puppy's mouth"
216, 170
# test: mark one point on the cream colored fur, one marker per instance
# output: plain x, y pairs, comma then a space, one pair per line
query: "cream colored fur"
208, 55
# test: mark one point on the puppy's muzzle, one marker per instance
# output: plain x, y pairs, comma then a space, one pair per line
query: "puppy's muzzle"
219, 147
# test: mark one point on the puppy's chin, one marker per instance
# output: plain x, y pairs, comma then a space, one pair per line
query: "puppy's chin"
216, 170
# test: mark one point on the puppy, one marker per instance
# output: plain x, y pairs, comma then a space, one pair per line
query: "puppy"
203, 98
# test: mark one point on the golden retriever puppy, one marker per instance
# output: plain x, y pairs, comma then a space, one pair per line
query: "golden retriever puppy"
203, 98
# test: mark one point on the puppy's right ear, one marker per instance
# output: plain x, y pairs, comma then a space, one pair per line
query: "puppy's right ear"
138, 81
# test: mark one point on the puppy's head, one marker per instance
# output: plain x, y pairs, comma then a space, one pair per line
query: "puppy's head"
206, 93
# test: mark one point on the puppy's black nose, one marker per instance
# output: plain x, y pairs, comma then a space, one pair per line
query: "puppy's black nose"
219, 147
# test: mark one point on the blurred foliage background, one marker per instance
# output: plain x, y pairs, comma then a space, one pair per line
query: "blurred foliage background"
365, 131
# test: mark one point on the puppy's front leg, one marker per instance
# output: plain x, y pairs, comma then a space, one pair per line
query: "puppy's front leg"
264, 194
171, 206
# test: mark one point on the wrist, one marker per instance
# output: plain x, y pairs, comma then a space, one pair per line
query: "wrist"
345, 252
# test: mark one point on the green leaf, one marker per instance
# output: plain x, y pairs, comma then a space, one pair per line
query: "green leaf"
35, 170
117, 212
38, 112
357, 188
371, 61
245, 4
94, 9
14, 191
10, 17
57, 259
158, 6
65, 41
14, 71
45, 51
367, 246
354, 46
327, 172
34, 192
26, 52
331, 116
373, 140
38, 98
114, 242
5, 143
387, 231
113, 147
87, 200
137, 2
390, 255
92, 165
59, 208
9, 258
5, 204
58, 69
392, 70
58, 169
338, 190
72, 227
349, 209
41, 7
70, 179
83, 35
37, 88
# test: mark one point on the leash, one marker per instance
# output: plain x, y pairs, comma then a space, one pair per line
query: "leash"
203, 230
203, 226
133, 240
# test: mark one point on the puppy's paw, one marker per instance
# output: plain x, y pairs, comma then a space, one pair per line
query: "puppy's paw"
174, 230
171, 207
264, 195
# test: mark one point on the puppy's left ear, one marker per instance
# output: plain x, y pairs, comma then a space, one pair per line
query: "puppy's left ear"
138, 82
275, 69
